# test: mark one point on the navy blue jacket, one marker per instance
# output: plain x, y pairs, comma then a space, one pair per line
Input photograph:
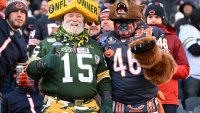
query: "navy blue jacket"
129, 85
18, 102
13, 50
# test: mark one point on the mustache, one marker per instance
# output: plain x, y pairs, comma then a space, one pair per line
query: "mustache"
93, 28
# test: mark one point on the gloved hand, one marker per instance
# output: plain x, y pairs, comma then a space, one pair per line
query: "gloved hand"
49, 62
142, 47
106, 106
23, 80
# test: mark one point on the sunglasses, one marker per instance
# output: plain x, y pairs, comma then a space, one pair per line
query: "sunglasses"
90, 23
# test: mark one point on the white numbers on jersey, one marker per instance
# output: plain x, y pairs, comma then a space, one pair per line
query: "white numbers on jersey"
50, 27
32, 34
81, 76
120, 66
162, 43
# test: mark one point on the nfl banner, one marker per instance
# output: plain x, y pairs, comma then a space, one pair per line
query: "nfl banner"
89, 9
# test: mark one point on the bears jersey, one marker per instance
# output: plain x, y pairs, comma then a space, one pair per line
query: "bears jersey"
128, 83
81, 69
13, 49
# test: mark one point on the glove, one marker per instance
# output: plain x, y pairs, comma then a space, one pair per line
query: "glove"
106, 106
23, 80
49, 62
142, 47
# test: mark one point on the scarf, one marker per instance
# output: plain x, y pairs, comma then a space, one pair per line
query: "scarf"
62, 36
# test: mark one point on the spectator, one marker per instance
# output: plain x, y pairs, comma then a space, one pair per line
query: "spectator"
42, 28
106, 24
93, 29
137, 2
189, 36
28, 27
128, 52
2, 6
35, 8
198, 3
178, 14
13, 46
155, 17
30, 14
72, 67
24, 99
186, 8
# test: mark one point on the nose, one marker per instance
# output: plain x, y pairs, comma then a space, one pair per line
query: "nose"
154, 19
74, 18
93, 24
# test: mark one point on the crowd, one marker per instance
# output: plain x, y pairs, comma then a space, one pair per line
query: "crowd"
109, 56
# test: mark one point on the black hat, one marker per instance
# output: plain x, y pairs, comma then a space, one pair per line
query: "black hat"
29, 24
15, 5
188, 2
155, 8
195, 18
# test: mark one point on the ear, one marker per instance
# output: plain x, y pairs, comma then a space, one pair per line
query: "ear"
142, 7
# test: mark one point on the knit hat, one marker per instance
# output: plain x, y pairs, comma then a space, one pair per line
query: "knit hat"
104, 13
155, 8
29, 24
15, 5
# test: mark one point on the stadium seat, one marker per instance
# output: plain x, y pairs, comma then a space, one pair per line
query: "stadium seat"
197, 109
191, 103
181, 110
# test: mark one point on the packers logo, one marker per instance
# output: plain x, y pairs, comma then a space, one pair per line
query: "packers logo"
97, 59
111, 40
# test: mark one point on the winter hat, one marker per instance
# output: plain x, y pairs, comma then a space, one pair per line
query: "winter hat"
187, 2
29, 24
195, 19
104, 13
155, 8
15, 5
2, 4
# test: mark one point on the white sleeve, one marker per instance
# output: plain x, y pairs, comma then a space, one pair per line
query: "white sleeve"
188, 35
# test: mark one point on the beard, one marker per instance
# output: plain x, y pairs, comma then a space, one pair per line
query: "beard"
73, 28
93, 31
16, 24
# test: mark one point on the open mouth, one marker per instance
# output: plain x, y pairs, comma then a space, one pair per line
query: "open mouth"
121, 8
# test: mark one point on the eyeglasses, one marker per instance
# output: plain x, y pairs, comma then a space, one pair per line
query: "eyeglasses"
90, 23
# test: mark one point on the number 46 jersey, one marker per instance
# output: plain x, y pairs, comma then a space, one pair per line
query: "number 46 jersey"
128, 83
81, 69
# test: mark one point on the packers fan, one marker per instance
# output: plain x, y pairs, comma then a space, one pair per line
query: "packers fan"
71, 65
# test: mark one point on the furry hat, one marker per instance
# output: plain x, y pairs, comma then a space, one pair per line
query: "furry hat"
125, 9
155, 8
2, 4
15, 5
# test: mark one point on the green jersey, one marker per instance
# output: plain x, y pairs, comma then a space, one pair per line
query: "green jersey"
81, 69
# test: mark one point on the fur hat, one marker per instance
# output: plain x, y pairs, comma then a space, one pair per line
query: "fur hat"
2, 4
155, 8
15, 5
125, 9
